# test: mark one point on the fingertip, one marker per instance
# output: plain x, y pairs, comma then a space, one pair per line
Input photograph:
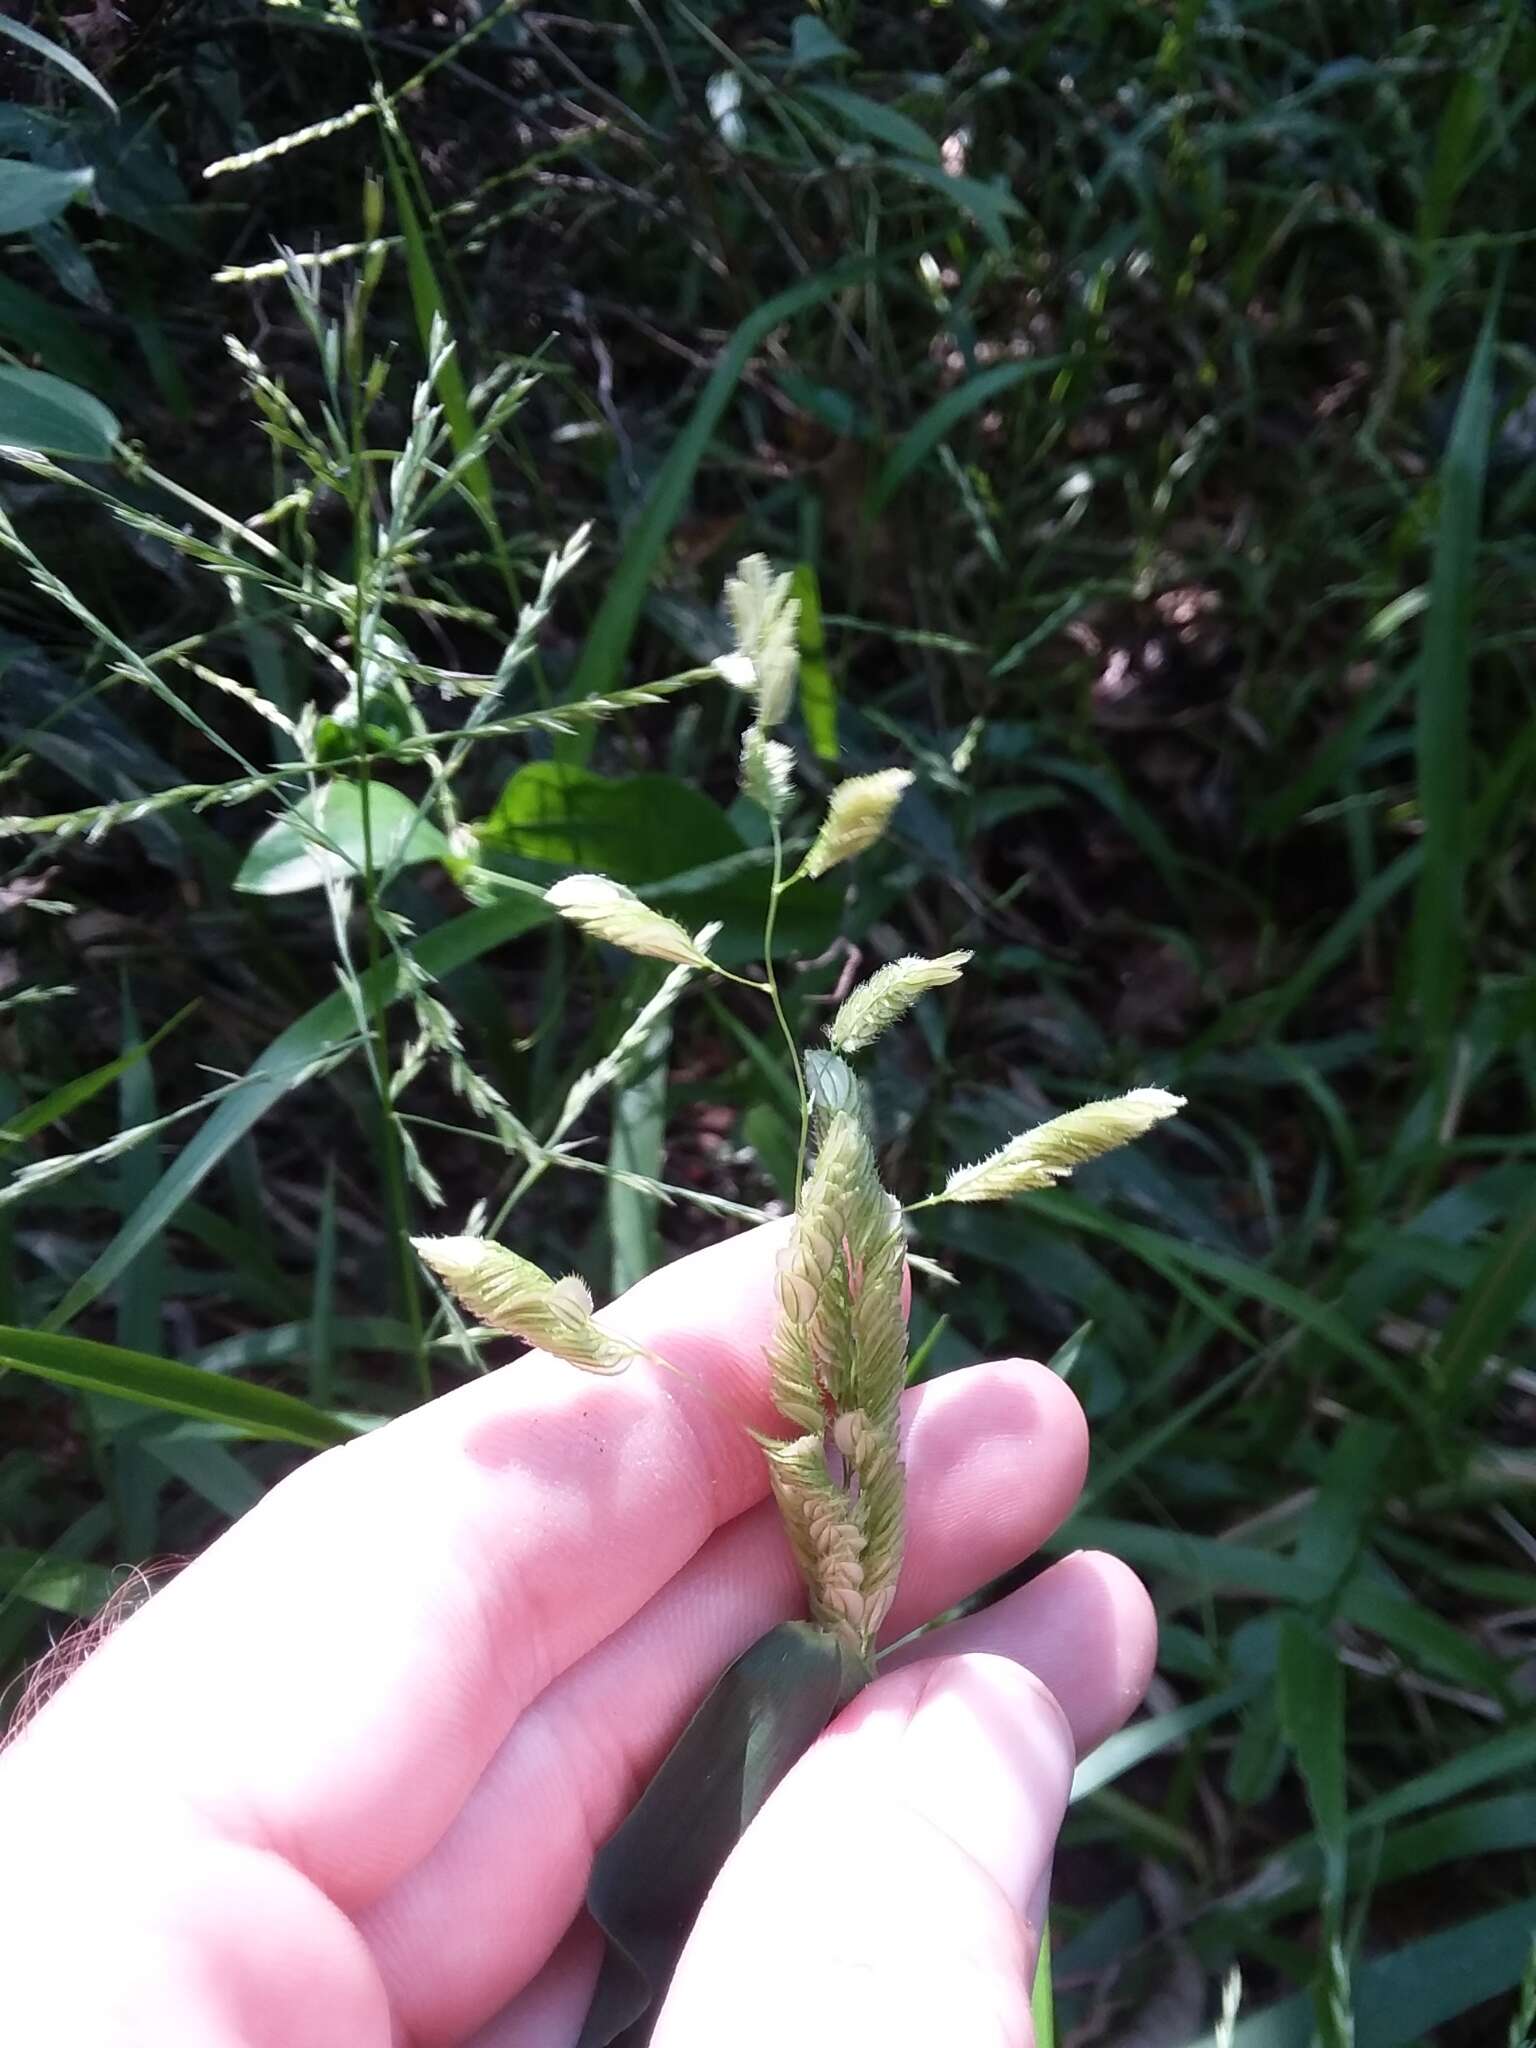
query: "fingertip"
1087, 1630
986, 1757
947, 1783
1127, 1629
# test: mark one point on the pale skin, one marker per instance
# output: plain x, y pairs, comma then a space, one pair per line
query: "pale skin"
340, 1783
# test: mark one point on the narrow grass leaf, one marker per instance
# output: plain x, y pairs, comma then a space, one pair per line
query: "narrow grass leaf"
871, 118
73, 1095
607, 643
638, 1146
1486, 1314
64, 60
1256, 1282
297, 1055
152, 1382
942, 417
1401, 1997
1444, 708
1310, 1692
1143, 1739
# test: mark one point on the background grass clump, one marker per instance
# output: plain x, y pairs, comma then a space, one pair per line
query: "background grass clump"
1143, 397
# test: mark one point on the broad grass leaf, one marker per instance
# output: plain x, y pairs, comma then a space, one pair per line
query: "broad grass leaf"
1400, 1998
651, 1878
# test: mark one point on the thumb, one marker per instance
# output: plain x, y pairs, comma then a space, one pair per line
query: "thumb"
894, 1887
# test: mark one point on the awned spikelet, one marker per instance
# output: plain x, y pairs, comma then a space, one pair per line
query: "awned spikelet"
512, 1294
609, 911
1047, 1154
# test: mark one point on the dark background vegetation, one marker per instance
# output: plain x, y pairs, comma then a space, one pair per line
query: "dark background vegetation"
1168, 515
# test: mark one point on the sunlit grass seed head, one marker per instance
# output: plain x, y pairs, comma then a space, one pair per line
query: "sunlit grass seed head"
888, 994
859, 811
609, 911
767, 770
766, 621
511, 1294
1047, 1154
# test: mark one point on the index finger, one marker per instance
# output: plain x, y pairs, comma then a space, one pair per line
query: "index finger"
331, 1677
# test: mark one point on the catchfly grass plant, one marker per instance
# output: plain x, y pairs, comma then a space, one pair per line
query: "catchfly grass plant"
838, 1358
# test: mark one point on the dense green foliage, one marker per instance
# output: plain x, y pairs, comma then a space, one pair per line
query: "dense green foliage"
1145, 394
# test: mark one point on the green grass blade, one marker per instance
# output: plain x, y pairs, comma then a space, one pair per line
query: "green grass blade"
74, 1094
1042, 2005
1486, 1313
65, 60
428, 303
1168, 1253
1444, 709
322, 1342
1401, 1997
1310, 1693
92, 1368
297, 1055
607, 643
1143, 1739
942, 417
638, 1146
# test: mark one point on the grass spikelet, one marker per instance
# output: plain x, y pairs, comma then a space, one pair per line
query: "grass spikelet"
766, 621
511, 1294
610, 911
858, 814
1047, 1154
767, 768
888, 994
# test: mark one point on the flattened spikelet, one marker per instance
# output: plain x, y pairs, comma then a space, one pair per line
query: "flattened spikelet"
766, 619
888, 994
1047, 1154
858, 812
609, 911
512, 1294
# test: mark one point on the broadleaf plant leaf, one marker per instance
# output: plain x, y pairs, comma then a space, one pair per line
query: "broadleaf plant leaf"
51, 417
325, 832
31, 194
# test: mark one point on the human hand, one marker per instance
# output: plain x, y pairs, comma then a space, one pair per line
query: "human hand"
339, 1785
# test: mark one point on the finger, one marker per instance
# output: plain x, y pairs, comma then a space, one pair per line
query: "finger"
552, 2008
1086, 1629
995, 1456
893, 1888
330, 1678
